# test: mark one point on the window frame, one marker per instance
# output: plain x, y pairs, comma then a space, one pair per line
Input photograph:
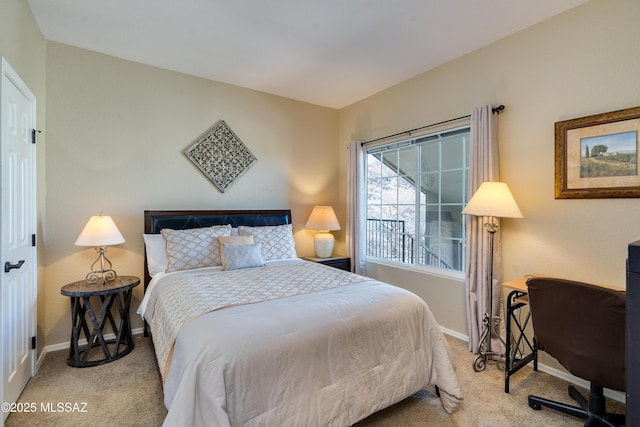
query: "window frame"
420, 233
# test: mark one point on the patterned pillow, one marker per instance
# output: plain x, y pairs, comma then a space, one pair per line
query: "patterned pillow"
277, 240
237, 240
195, 247
242, 256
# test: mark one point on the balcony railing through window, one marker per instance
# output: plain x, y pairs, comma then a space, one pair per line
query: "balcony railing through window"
388, 239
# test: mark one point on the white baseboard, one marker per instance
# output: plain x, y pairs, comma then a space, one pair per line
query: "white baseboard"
454, 334
67, 344
613, 394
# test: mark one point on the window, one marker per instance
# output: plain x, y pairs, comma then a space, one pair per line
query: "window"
416, 190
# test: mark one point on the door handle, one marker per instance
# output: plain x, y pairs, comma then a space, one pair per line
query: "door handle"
8, 266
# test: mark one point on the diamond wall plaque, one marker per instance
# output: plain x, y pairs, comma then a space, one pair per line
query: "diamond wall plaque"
221, 156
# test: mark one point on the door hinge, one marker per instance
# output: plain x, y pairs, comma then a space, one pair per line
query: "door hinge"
33, 135
33, 343
33, 240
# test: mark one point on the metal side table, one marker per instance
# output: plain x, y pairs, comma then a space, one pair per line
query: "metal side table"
520, 349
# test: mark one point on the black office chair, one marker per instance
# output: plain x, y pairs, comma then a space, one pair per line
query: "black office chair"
583, 327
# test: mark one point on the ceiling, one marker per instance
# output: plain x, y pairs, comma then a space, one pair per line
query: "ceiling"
326, 52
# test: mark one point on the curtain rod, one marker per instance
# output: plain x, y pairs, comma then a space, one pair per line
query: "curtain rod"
496, 110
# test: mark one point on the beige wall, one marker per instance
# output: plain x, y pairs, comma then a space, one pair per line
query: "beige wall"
582, 62
116, 135
23, 46
115, 131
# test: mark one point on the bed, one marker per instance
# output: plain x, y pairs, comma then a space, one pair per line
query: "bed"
259, 337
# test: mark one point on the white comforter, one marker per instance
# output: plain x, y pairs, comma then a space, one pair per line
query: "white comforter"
328, 358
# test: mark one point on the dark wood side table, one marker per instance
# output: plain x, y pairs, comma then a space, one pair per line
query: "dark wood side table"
340, 262
117, 291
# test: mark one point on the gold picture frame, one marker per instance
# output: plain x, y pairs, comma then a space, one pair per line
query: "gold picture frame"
597, 156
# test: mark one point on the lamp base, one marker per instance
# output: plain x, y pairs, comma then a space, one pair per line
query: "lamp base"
490, 321
100, 276
103, 274
484, 352
323, 244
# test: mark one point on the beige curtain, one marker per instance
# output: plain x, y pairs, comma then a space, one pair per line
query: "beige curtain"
356, 206
483, 166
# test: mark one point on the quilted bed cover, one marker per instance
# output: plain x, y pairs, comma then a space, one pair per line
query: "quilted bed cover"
330, 357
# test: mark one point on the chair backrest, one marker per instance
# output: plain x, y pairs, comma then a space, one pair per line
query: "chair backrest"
582, 326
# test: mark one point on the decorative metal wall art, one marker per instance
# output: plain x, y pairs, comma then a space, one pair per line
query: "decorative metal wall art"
221, 156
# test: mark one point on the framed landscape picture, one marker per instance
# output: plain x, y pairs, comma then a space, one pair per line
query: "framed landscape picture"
597, 156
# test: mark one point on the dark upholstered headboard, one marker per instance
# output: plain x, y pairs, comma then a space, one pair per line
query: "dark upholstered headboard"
154, 221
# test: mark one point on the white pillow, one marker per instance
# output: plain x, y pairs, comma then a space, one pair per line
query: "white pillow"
194, 248
277, 240
156, 249
237, 240
238, 256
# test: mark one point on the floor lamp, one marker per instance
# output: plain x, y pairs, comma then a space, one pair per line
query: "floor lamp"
492, 200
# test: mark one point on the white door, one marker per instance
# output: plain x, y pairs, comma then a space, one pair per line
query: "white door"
17, 251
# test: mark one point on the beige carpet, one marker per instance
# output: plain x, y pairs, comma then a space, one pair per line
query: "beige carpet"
128, 392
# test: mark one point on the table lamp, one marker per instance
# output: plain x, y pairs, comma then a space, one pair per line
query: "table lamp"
493, 200
100, 232
323, 219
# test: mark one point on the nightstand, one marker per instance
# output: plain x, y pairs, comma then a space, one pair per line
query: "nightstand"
86, 319
340, 262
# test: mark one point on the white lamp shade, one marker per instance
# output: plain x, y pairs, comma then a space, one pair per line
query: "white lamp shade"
322, 218
100, 231
493, 199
